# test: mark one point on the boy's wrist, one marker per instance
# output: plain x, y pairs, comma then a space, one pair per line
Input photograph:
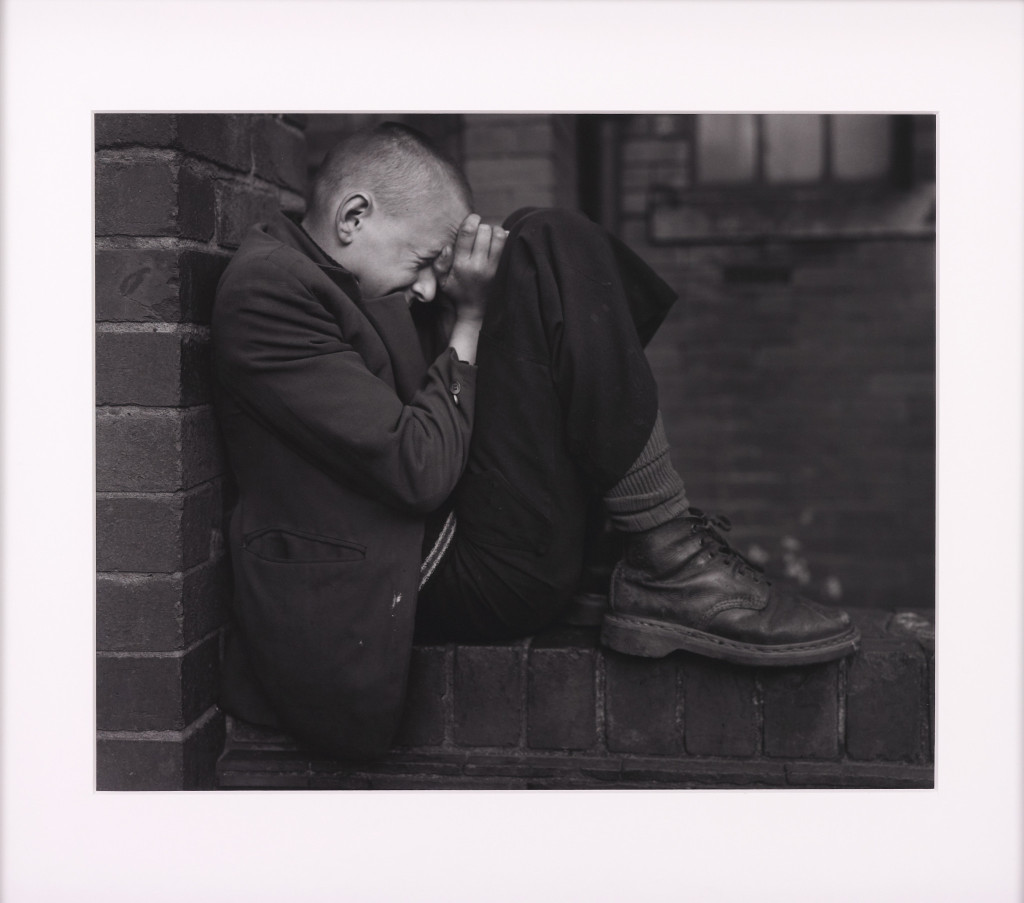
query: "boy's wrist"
464, 338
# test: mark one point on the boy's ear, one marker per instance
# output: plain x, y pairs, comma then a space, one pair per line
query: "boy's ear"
351, 213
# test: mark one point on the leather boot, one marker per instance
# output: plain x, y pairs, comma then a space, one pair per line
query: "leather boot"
682, 586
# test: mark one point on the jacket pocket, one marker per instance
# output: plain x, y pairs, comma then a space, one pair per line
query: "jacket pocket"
291, 546
492, 512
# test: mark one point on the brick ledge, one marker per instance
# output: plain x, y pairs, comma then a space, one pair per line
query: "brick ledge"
557, 711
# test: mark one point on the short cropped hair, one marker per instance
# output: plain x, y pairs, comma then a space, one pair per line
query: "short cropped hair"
397, 163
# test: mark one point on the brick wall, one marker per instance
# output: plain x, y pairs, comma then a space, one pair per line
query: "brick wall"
174, 195
560, 712
512, 160
796, 376
797, 371
520, 160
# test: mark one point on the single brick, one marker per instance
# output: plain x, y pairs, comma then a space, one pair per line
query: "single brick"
561, 708
609, 769
518, 766
853, 774
321, 782
158, 451
139, 694
495, 205
139, 534
501, 139
221, 137
541, 783
697, 774
512, 172
143, 284
199, 274
801, 711
245, 736
514, 118
279, 153
157, 534
238, 208
149, 129
196, 205
278, 761
488, 695
423, 719
160, 612
201, 519
886, 702
656, 151
186, 763
137, 198
206, 593
200, 676
155, 693
396, 763
202, 456
137, 284
916, 625
262, 780
641, 704
487, 140
439, 782
870, 622
139, 612
157, 369
720, 709
153, 197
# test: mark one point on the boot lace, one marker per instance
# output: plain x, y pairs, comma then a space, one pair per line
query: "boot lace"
709, 529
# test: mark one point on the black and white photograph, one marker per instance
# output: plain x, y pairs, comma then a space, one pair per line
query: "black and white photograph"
511, 451
515, 451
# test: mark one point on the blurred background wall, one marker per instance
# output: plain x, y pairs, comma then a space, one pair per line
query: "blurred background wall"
797, 370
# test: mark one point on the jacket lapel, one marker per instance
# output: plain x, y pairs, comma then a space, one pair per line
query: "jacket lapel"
389, 314
393, 322
391, 318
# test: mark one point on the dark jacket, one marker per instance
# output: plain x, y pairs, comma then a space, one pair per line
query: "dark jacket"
341, 439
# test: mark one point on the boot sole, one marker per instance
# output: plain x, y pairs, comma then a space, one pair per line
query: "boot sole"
656, 639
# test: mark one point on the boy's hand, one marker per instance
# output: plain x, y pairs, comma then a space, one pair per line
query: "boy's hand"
466, 271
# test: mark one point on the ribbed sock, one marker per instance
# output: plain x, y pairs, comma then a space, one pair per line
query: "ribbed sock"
651, 493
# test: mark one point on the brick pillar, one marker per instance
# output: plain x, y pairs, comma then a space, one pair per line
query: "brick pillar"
174, 195
519, 160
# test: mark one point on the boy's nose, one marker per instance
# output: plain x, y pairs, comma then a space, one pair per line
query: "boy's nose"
425, 286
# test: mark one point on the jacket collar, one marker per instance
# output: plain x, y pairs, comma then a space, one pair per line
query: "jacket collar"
389, 314
289, 232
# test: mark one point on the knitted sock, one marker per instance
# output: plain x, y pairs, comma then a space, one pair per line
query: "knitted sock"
651, 493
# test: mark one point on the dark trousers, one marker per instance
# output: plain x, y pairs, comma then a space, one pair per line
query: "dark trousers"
565, 403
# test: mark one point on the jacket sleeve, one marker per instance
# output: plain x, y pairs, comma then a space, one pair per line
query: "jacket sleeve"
283, 356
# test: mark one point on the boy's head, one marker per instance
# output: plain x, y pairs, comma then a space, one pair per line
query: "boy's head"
384, 204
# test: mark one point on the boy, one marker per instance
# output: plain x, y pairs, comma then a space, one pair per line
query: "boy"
419, 409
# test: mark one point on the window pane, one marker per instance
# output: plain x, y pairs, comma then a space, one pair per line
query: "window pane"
726, 148
861, 146
793, 148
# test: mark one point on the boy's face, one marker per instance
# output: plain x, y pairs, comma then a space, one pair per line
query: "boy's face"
396, 252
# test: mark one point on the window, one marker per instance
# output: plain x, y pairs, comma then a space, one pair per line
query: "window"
795, 148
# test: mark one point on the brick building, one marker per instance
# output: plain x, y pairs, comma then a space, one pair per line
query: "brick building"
797, 377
